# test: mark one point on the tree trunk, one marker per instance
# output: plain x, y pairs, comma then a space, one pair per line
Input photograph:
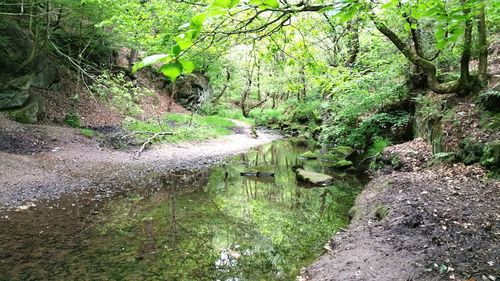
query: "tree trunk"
462, 84
223, 91
483, 48
354, 43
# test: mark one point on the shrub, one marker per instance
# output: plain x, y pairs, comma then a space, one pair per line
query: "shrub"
119, 93
72, 119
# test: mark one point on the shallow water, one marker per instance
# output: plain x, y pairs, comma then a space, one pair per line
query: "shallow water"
206, 225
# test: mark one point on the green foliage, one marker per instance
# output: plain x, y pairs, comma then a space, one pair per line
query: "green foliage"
89, 133
119, 93
429, 108
184, 127
72, 119
378, 146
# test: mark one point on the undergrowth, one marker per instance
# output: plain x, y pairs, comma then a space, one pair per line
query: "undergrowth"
184, 127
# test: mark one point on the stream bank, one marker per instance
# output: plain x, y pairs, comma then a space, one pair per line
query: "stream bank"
418, 223
45, 161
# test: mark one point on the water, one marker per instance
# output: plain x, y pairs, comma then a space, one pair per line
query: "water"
207, 225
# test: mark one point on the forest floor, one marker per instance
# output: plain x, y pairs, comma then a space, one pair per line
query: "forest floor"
44, 161
419, 223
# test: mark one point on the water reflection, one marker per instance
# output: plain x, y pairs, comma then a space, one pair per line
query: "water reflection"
209, 225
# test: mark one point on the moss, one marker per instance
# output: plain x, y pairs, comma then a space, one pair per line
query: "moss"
89, 133
309, 155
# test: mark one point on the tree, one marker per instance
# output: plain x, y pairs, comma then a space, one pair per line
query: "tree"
453, 24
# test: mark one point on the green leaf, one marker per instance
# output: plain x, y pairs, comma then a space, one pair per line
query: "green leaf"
271, 3
263, 4
172, 70
176, 50
197, 21
147, 61
184, 40
188, 66
225, 4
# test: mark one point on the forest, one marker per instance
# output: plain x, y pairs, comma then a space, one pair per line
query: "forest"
250, 140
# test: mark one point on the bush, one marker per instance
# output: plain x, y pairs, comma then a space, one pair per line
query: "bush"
119, 93
72, 119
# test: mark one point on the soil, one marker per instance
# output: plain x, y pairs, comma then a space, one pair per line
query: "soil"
45, 161
418, 223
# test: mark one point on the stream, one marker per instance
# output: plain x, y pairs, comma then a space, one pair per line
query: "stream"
211, 224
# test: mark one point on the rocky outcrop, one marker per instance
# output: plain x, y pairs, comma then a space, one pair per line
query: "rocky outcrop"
29, 113
193, 91
21, 69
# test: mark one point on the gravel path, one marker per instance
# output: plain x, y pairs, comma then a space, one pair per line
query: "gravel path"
46, 161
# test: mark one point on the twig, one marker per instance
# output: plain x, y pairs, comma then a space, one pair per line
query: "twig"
149, 141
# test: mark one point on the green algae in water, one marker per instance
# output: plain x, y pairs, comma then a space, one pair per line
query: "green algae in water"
212, 225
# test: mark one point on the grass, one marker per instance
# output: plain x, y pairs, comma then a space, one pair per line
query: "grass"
184, 127
89, 133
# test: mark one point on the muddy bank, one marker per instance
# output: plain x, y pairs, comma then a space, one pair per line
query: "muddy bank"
46, 161
418, 223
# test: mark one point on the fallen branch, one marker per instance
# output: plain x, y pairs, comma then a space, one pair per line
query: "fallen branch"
150, 141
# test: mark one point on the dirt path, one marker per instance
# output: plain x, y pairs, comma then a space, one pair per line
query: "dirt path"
419, 223
44, 161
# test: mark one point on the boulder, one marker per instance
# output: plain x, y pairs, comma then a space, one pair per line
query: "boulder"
15, 92
491, 99
308, 155
342, 151
30, 112
313, 177
193, 91
46, 73
342, 164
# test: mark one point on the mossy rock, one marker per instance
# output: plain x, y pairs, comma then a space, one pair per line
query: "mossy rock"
491, 155
14, 93
309, 155
342, 164
330, 157
491, 99
342, 151
29, 113
259, 171
314, 178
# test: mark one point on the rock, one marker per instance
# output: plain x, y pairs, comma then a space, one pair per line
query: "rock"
259, 171
193, 91
342, 164
491, 99
342, 151
330, 157
30, 112
309, 155
313, 177
491, 155
46, 73
15, 92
